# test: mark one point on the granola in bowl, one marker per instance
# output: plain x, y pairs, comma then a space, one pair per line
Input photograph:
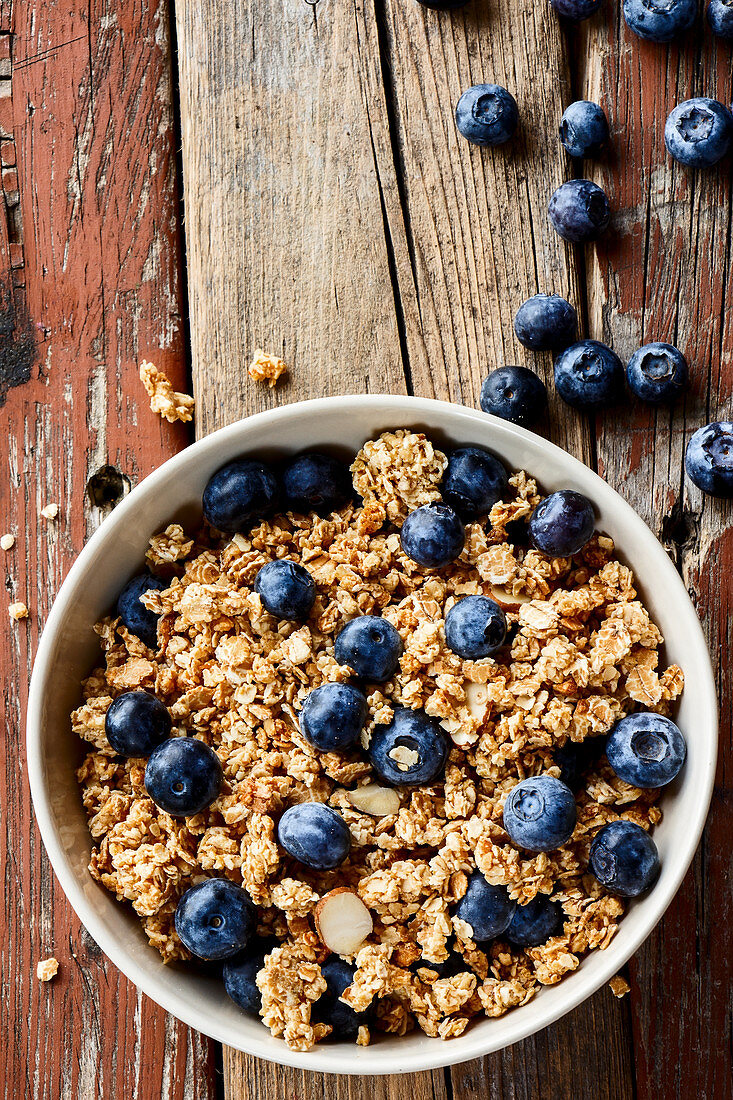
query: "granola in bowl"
381, 941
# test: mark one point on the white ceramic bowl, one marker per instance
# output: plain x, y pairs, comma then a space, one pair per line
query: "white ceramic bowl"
68, 650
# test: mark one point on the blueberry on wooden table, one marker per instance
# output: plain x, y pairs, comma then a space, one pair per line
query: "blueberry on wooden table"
545, 322
579, 211
540, 813
562, 524
698, 132
329, 1009
240, 974
410, 751
488, 909
589, 375
576, 10
709, 458
646, 750
657, 373
134, 614
475, 627
487, 114
183, 776
239, 495
136, 723
333, 716
584, 129
315, 482
720, 18
534, 923
370, 646
287, 590
433, 536
474, 481
314, 835
514, 393
215, 919
624, 858
659, 20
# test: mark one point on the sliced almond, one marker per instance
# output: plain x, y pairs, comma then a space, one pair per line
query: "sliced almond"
375, 800
343, 921
477, 699
507, 600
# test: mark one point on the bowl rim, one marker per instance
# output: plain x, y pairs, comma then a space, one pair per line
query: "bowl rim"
327, 1058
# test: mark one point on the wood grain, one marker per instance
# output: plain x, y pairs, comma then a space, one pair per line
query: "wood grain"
97, 287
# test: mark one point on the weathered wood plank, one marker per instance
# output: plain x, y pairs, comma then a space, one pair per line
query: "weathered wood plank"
91, 115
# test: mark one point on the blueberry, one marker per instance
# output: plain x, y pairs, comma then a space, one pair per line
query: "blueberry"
240, 974
486, 908
698, 132
646, 750
454, 964
584, 129
315, 482
540, 814
215, 919
562, 524
329, 1009
659, 20
657, 373
487, 114
474, 481
432, 536
183, 776
515, 394
709, 458
720, 18
333, 717
624, 858
287, 590
545, 322
576, 10
475, 627
135, 615
370, 646
575, 757
410, 751
579, 211
588, 375
136, 722
315, 835
239, 495
534, 923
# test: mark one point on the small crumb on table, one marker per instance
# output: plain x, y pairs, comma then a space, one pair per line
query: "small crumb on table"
47, 969
164, 400
51, 511
18, 611
266, 368
7, 542
619, 986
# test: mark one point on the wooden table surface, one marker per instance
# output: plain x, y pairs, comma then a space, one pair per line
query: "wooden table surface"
334, 216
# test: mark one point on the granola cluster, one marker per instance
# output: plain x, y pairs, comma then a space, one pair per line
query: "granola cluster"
582, 652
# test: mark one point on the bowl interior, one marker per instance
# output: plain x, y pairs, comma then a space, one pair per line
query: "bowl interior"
69, 650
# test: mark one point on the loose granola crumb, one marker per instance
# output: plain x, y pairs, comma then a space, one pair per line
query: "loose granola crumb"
47, 969
50, 511
266, 368
18, 611
164, 400
7, 542
619, 986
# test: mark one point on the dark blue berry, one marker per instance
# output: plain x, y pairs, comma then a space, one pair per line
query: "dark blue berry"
475, 627
454, 964
333, 717
487, 114
540, 813
240, 974
698, 132
183, 776
287, 590
545, 322
315, 835
579, 211
215, 919
575, 757
657, 373
709, 458
433, 536
134, 614
646, 750
370, 646
410, 751
562, 524
488, 909
136, 722
314, 482
329, 1009
534, 923
239, 495
588, 375
624, 858
576, 10
659, 20
720, 18
515, 394
584, 129
474, 481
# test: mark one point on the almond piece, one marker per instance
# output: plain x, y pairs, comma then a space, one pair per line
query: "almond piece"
375, 800
507, 600
477, 699
343, 921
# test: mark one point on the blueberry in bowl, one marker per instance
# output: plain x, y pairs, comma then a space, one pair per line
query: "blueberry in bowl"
183, 776
646, 750
657, 373
487, 114
215, 919
545, 322
433, 535
240, 494
410, 750
488, 909
370, 646
287, 589
535, 923
584, 129
475, 627
329, 1008
333, 716
624, 858
579, 211
315, 482
133, 612
699, 132
136, 723
474, 481
540, 813
314, 835
562, 524
514, 393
